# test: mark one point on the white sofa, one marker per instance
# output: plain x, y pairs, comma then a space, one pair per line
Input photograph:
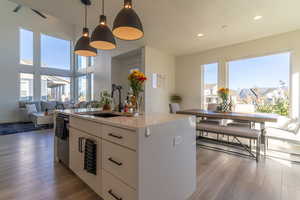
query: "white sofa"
286, 129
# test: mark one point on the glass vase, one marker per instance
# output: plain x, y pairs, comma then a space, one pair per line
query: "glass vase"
137, 104
225, 106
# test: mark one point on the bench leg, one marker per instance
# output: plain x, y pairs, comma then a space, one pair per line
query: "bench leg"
258, 144
263, 137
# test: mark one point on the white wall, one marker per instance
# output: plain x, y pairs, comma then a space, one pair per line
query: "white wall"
153, 61
156, 61
10, 68
102, 74
188, 73
121, 66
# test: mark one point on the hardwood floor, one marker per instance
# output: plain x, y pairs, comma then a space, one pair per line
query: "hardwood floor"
27, 171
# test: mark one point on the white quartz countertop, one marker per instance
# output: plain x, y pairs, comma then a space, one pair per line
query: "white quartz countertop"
126, 121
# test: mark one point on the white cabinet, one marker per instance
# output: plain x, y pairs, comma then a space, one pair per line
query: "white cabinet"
114, 189
120, 162
124, 137
144, 163
77, 148
76, 156
116, 158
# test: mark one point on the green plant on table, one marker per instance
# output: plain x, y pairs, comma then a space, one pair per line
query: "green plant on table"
105, 98
175, 98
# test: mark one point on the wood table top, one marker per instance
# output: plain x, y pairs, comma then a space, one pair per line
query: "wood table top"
253, 117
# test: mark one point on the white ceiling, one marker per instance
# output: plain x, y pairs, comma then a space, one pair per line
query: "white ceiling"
173, 25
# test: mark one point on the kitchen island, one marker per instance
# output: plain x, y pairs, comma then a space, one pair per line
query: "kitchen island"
133, 158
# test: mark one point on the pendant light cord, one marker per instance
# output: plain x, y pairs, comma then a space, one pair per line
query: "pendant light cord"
103, 7
85, 19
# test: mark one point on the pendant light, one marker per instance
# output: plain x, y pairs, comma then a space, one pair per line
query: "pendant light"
82, 46
127, 24
102, 37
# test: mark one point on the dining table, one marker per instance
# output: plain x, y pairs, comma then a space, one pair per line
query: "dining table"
260, 118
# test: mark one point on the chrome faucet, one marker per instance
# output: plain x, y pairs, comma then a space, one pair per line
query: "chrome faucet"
118, 88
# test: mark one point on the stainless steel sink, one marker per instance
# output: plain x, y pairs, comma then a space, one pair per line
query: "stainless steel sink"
105, 115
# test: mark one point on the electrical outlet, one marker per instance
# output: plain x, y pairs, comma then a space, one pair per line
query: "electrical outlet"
177, 140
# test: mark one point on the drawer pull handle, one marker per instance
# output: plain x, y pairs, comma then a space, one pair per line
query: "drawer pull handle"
114, 195
115, 162
115, 136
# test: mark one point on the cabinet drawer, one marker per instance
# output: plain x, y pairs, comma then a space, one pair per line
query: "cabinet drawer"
113, 189
120, 136
87, 126
120, 162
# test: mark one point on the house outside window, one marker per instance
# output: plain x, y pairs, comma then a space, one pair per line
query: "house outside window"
26, 87
210, 84
55, 88
261, 84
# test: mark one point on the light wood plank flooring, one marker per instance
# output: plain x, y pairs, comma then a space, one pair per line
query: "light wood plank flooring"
27, 171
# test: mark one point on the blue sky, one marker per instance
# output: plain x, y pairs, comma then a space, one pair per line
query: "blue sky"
26, 44
55, 52
265, 71
211, 73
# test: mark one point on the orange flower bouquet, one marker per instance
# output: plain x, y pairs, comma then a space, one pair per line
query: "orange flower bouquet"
225, 105
223, 93
136, 82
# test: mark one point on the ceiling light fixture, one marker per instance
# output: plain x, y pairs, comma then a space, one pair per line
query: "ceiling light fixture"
200, 34
82, 46
257, 17
102, 37
127, 24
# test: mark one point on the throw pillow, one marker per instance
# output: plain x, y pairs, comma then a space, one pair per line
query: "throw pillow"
31, 108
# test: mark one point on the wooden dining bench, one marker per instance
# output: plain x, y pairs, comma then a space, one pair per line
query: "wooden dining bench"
236, 132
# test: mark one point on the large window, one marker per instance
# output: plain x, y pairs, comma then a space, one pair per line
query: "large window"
26, 87
81, 88
55, 52
261, 84
26, 47
210, 84
55, 88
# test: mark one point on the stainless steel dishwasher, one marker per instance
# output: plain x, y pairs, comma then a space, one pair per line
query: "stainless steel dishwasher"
62, 136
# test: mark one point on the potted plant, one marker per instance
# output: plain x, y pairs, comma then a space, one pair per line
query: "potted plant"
175, 98
105, 100
136, 82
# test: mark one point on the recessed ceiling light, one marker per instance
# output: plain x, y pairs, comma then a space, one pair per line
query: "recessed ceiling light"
224, 26
200, 35
257, 17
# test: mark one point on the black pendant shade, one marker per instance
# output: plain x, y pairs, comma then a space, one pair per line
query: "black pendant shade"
82, 46
102, 37
127, 24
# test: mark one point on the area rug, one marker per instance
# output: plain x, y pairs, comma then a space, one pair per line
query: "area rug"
12, 128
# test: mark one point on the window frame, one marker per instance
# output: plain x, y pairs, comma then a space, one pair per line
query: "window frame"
87, 71
89, 64
20, 45
38, 71
62, 76
53, 68
203, 83
19, 85
77, 87
290, 85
